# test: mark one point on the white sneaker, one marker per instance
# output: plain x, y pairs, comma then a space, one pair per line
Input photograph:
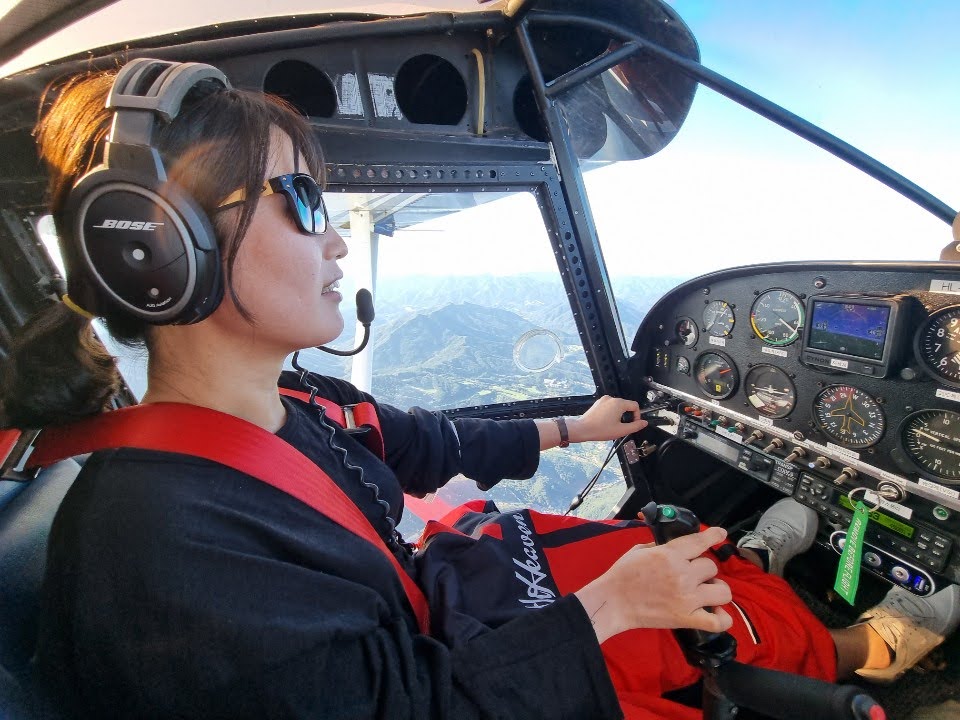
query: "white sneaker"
911, 626
786, 529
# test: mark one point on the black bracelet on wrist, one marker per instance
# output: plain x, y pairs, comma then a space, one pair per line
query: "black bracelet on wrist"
564, 435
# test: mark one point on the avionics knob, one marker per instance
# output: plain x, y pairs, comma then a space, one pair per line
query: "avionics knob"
822, 462
775, 444
797, 452
890, 491
755, 435
848, 473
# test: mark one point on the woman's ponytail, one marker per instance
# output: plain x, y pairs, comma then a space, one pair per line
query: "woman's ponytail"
56, 371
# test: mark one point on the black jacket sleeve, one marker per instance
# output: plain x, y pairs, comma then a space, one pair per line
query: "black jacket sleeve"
425, 449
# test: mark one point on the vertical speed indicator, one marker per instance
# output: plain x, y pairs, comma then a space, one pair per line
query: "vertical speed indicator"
931, 439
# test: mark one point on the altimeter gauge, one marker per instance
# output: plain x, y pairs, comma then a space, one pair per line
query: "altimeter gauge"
931, 440
777, 317
770, 391
937, 345
849, 416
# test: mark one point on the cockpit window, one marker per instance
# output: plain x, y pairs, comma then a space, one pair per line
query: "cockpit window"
470, 309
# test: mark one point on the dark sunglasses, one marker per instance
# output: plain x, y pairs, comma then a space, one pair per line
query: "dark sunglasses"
304, 198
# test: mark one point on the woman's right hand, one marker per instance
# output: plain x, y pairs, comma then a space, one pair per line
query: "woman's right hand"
665, 586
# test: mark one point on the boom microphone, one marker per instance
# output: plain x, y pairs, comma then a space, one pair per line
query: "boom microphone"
365, 315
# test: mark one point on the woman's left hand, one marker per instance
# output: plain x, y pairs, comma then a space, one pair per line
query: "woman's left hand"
603, 421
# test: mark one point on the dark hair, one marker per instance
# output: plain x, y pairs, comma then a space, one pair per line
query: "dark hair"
57, 370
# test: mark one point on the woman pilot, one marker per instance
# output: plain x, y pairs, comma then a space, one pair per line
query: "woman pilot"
178, 587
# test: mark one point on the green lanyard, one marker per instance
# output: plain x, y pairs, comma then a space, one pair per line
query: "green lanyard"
848, 571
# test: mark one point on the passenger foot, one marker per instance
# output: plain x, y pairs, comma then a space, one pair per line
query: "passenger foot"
911, 626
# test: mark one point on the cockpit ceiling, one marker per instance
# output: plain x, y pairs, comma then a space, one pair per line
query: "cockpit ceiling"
32, 33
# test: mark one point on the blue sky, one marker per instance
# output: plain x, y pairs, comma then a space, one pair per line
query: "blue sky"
877, 73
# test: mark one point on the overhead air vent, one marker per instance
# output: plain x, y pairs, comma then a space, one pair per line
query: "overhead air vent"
431, 91
303, 86
526, 112
560, 50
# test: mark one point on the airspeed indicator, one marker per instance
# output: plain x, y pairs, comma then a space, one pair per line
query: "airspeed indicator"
777, 317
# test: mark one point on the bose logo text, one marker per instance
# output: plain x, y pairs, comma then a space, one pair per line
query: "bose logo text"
129, 225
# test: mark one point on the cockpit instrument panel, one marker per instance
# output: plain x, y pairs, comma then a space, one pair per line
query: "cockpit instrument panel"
845, 381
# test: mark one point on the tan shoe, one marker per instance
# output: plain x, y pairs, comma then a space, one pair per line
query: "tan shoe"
911, 626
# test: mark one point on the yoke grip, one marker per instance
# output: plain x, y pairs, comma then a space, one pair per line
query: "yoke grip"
794, 697
667, 522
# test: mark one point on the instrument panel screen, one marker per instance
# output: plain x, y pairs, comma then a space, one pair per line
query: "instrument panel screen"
849, 328
901, 528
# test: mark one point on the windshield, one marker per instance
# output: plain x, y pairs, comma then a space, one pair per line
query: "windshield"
735, 189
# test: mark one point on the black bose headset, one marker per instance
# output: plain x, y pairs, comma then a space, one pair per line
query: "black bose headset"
143, 245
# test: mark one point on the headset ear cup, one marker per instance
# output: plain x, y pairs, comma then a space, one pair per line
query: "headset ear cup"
149, 249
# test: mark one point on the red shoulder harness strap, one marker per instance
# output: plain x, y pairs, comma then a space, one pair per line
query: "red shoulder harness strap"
364, 415
230, 441
361, 415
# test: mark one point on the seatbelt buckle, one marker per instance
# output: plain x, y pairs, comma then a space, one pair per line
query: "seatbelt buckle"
350, 422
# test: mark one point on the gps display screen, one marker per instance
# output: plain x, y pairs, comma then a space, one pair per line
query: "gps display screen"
849, 328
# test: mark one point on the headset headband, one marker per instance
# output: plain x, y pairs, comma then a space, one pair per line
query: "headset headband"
144, 92
147, 247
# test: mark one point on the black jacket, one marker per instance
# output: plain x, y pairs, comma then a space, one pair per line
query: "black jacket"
177, 587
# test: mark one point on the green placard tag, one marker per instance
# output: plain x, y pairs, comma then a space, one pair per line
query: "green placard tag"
848, 572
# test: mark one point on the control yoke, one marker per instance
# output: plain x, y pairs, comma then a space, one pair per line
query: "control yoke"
729, 685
